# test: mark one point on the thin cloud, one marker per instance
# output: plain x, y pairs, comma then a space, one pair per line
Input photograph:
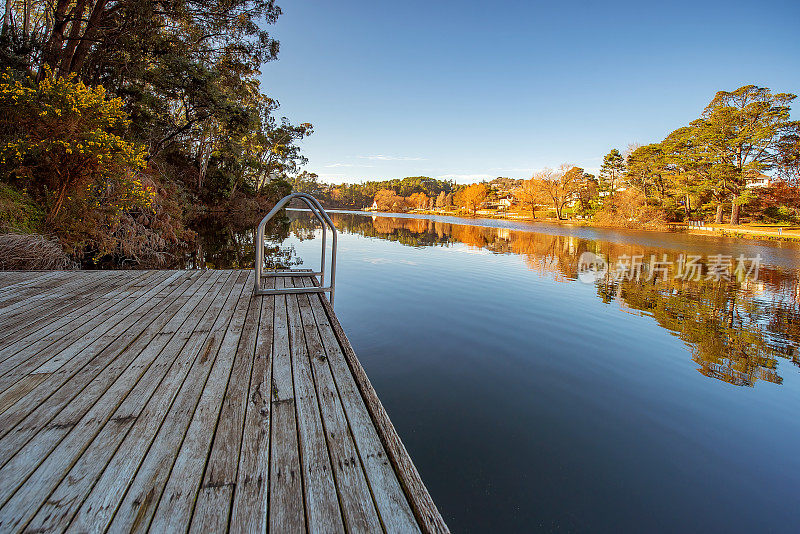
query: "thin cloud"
383, 157
338, 165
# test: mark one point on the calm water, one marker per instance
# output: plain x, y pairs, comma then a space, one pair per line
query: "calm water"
530, 400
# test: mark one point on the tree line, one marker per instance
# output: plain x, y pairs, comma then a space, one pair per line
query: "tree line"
713, 169
713, 166
413, 192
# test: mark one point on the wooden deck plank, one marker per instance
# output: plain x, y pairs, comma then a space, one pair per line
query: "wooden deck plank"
174, 401
89, 360
213, 505
320, 484
57, 286
22, 287
34, 418
347, 414
42, 311
170, 338
13, 344
139, 504
177, 502
286, 504
13, 396
11, 279
72, 338
18, 291
112, 410
249, 511
77, 421
425, 509
190, 348
109, 323
71, 288
60, 388
40, 325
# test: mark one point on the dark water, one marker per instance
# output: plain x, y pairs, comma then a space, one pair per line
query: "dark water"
530, 400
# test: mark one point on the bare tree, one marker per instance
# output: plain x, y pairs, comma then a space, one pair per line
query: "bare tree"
559, 186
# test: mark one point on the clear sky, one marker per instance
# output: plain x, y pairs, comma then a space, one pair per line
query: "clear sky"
470, 90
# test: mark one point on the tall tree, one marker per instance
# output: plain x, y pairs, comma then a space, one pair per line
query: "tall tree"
645, 170
743, 129
472, 197
691, 169
789, 157
611, 172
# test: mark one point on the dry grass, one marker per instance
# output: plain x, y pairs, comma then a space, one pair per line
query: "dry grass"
27, 252
629, 209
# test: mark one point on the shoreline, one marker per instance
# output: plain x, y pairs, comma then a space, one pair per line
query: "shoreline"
787, 233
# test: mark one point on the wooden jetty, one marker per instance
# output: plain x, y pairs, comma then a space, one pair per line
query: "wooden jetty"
176, 400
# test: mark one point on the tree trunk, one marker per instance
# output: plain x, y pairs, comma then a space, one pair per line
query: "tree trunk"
59, 202
719, 219
82, 50
26, 21
7, 18
688, 205
73, 39
56, 40
735, 212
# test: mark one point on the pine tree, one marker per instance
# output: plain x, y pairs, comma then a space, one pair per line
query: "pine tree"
611, 172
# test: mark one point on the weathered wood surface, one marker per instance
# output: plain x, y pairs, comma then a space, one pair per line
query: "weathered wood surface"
175, 400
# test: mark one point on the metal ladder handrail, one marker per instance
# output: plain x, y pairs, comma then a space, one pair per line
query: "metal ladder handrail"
323, 217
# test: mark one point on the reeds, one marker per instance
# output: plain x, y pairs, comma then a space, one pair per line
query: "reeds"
30, 252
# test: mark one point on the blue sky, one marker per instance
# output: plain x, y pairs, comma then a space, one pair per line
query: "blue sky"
470, 90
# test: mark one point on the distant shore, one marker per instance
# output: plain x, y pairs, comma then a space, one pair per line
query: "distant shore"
788, 233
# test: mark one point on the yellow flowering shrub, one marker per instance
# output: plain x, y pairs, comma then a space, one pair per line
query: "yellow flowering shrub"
62, 141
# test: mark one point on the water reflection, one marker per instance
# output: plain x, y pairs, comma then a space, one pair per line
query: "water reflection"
229, 244
739, 331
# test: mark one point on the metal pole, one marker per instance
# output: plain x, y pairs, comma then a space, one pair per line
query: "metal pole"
323, 217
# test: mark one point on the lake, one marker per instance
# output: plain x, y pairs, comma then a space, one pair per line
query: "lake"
649, 390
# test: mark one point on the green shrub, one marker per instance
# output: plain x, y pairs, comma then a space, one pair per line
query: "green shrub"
18, 212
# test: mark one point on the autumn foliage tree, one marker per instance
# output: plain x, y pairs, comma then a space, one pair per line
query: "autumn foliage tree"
389, 200
558, 187
472, 197
61, 138
418, 200
529, 195
743, 130
630, 209
60, 142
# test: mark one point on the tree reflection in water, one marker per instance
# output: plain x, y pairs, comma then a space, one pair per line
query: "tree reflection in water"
229, 244
737, 330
